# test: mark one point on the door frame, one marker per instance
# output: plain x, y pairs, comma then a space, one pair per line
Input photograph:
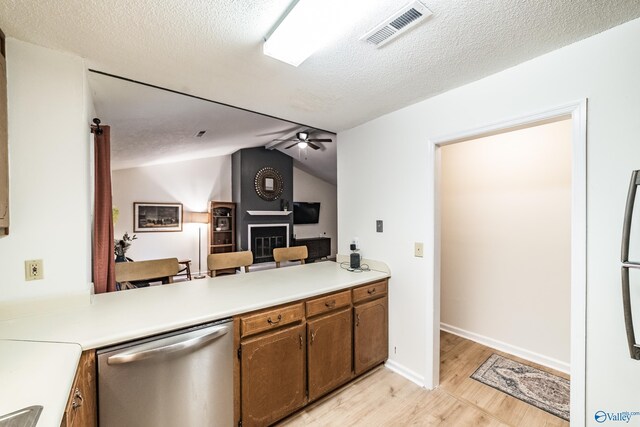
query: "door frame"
577, 112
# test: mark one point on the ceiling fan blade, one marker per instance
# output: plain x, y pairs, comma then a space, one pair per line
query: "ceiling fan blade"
319, 140
312, 145
292, 145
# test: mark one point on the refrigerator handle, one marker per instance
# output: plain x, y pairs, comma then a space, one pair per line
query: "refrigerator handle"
628, 215
634, 349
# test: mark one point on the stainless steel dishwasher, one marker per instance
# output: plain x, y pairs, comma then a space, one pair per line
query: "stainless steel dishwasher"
181, 378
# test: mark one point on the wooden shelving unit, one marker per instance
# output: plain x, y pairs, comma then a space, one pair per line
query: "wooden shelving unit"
222, 220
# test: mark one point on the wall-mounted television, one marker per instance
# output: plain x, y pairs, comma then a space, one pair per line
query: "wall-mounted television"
306, 212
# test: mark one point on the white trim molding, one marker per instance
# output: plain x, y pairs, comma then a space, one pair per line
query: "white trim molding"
577, 112
520, 352
405, 372
250, 226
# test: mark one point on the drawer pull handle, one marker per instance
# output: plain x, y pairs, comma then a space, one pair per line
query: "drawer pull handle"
371, 291
357, 320
313, 336
77, 399
274, 322
300, 336
330, 304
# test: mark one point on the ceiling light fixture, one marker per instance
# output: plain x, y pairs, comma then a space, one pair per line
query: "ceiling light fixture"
302, 144
298, 36
302, 136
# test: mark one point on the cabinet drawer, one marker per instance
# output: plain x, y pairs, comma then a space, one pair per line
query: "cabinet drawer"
328, 303
271, 319
372, 290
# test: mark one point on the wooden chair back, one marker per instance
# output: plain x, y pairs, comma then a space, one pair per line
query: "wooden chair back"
155, 269
292, 253
218, 263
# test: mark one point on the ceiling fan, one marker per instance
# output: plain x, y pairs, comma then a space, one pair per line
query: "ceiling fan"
303, 140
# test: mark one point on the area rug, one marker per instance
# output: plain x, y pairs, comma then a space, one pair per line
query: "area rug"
538, 388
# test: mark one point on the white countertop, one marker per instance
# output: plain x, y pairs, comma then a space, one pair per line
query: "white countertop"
127, 315
36, 373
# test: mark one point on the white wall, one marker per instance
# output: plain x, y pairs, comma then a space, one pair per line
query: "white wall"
390, 181
49, 170
505, 204
192, 183
308, 188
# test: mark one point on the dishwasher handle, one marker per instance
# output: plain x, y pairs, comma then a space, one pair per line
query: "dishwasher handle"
167, 345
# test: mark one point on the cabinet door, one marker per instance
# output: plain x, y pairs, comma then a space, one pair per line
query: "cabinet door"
273, 376
370, 334
81, 408
329, 352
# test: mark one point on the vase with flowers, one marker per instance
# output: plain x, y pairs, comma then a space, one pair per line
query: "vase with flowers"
120, 246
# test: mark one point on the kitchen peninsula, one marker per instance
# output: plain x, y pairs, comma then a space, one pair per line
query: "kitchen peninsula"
319, 291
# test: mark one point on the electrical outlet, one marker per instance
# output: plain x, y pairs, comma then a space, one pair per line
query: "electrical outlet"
33, 269
418, 250
379, 228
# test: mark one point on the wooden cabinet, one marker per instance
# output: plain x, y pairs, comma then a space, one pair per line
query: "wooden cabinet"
271, 319
273, 376
4, 143
222, 222
370, 334
329, 352
370, 291
317, 247
81, 410
328, 303
296, 353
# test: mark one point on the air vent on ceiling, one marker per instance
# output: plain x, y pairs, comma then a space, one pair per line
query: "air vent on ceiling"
199, 134
396, 24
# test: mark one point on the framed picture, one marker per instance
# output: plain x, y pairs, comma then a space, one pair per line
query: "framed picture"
223, 224
157, 217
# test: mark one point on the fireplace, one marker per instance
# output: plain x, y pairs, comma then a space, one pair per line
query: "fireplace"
263, 238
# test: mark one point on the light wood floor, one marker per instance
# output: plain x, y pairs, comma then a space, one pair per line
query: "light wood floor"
384, 398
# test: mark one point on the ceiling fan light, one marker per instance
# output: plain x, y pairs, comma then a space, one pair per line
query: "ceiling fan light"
302, 136
302, 144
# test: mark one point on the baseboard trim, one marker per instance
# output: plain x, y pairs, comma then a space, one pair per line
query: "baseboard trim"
405, 372
508, 348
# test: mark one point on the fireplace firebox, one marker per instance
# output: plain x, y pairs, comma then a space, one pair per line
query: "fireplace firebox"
264, 238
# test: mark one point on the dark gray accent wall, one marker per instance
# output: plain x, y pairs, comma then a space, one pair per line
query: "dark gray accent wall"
244, 166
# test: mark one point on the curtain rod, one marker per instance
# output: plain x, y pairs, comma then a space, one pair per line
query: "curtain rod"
97, 129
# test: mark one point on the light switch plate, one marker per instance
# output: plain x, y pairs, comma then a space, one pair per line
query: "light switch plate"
379, 226
418, 250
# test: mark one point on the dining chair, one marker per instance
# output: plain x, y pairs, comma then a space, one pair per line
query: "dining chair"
228, 262
128, 273
292, 253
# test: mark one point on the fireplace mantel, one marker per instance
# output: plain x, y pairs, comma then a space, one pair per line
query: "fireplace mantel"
269, 213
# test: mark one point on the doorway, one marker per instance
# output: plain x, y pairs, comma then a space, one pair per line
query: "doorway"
576, 113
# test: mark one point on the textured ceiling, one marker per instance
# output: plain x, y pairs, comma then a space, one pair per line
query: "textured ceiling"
151, 126
213, 48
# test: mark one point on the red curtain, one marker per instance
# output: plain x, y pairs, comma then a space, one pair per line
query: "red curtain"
103, 259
